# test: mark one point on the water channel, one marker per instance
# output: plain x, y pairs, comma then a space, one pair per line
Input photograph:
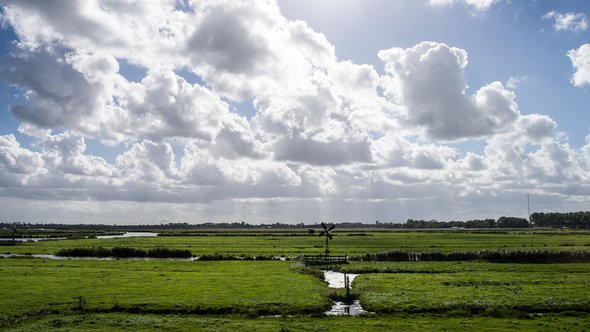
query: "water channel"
337, 280
128, 234
31, 239
35, 239
47, 256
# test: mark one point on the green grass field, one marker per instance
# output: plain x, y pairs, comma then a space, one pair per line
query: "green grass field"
477, 288
134, 322
350, 243
34, 286
123, 294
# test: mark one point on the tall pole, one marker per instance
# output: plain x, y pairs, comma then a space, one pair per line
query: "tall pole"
528, 202
327, 250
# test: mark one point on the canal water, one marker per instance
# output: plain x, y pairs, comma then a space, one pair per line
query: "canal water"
46, 256
336, 280
128, 234
35, 239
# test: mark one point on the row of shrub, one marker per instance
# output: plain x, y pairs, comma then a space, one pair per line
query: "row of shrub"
220, 257
124, 252
508, 256
240, 234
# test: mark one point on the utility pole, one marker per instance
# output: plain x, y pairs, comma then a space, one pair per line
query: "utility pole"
528, 201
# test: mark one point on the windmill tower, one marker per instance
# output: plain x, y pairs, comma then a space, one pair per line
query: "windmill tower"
327, 232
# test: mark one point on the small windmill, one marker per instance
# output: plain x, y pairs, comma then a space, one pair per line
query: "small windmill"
327, 232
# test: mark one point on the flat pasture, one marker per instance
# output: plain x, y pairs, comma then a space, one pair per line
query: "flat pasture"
345, 242
38, 294
31, 287
141, 322
492, 289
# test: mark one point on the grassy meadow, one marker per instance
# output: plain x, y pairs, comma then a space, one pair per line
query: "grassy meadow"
150, 322
35, 286
482, 288
133, 294
344, 243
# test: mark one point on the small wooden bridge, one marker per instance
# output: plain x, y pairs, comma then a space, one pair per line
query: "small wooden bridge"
323, 260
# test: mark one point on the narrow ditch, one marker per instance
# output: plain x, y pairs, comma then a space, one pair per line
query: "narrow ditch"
348, 307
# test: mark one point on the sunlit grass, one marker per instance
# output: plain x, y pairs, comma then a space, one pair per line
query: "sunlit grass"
481, 288
31, 286
342, 244
132, 322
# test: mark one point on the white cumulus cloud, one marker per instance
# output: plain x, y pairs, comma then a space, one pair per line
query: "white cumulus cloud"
568, 21
428, 79
580, 58
479, 5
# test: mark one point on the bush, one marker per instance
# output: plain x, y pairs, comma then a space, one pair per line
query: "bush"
508, 256
169, 253
125, 252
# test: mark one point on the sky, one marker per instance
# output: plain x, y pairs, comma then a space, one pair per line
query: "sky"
290, 111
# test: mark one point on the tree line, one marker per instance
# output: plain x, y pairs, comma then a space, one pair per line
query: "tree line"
502, 222
579, 219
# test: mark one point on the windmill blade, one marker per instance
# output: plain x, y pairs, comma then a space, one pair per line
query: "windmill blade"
322, 233
324, 225
330, 236
331, 227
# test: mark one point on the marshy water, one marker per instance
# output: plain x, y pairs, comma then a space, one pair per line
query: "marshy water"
35, 239
128, 234
47, 256
31, 239
337, 280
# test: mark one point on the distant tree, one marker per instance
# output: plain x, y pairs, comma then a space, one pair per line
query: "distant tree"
480, 223
512, 222
579, 219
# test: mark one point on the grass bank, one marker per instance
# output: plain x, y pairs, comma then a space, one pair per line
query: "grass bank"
33, 287
131, 322
485, 289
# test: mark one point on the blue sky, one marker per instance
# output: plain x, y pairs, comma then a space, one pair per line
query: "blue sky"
509, 40
293, 110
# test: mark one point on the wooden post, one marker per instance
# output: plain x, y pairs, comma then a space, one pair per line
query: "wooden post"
347, 285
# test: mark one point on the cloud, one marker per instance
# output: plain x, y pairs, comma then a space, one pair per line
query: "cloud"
478, 5
428, 79
17, 164
322, 153
65, 153
580, 58
328, 138
575, 22
227, 39
59, 95
514, 81
241, 49
148, 164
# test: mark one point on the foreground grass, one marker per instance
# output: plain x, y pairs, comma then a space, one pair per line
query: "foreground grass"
350, 243
40, 294
489, 289
32, 287
132, 322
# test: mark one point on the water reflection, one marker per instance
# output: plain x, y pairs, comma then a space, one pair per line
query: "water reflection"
342, 309
338, 280
128, 234
30, 239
